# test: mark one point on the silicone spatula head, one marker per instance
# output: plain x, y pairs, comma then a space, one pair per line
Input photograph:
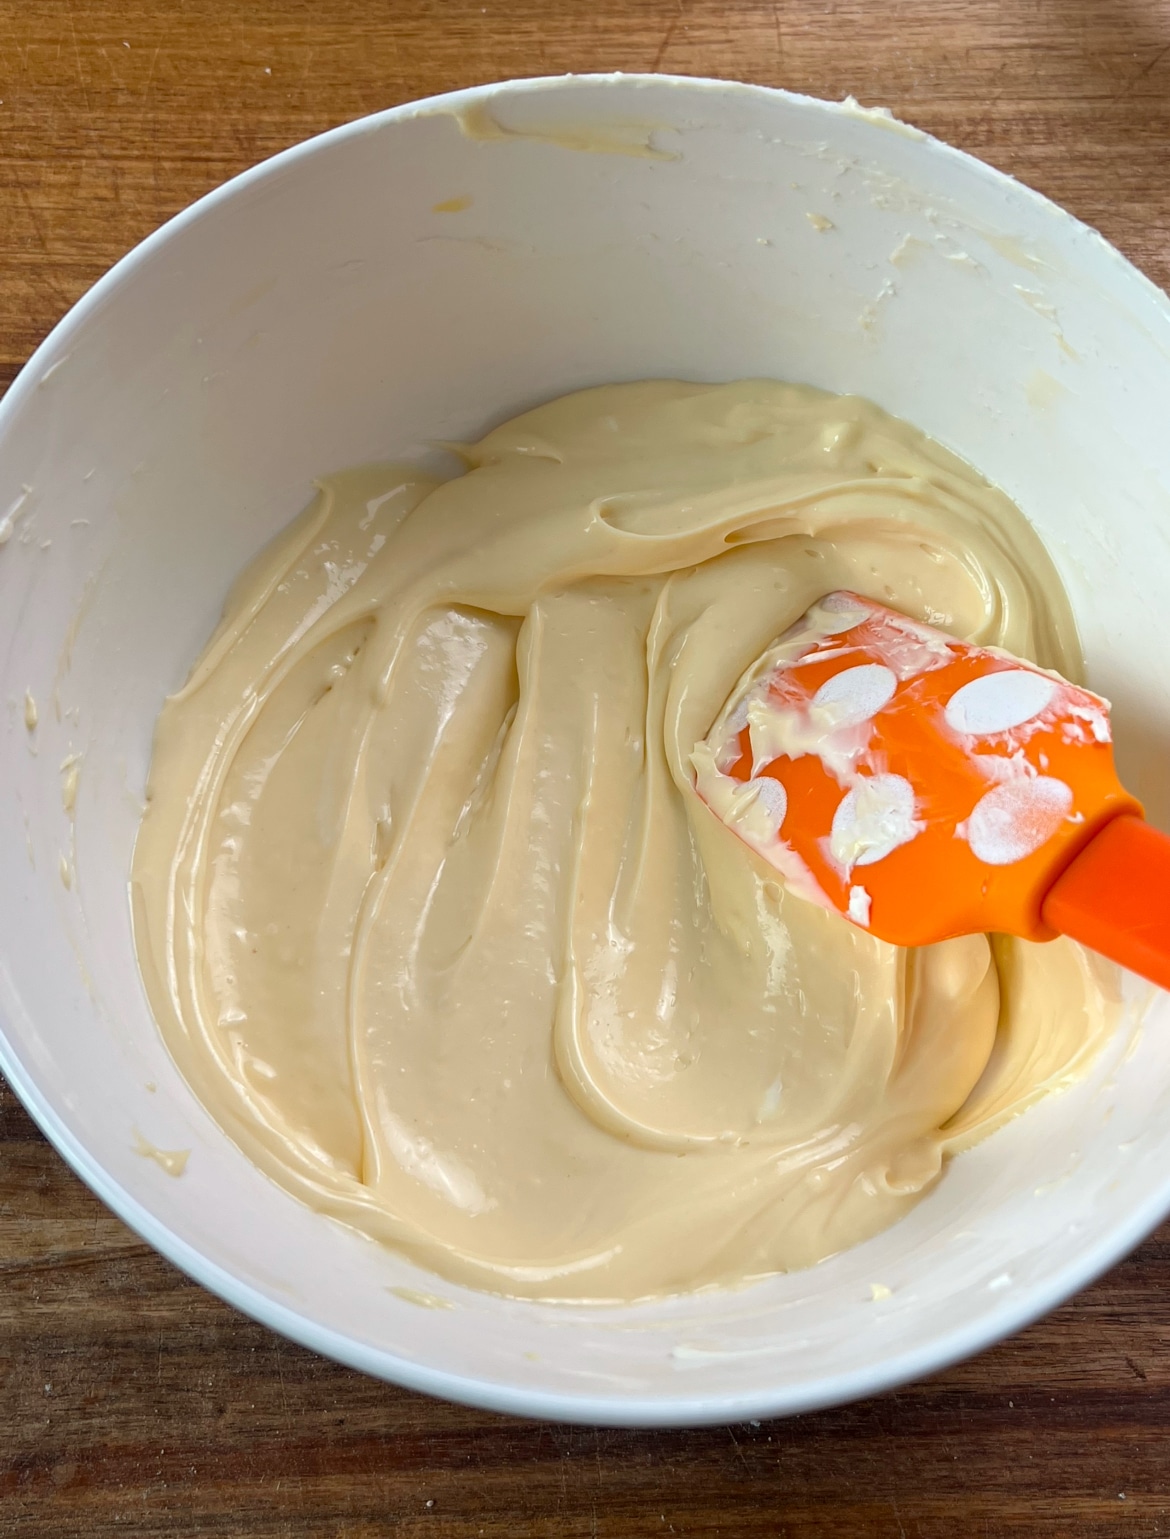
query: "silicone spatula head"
918, 785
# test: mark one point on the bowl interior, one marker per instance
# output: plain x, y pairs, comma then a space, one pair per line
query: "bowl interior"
422, 275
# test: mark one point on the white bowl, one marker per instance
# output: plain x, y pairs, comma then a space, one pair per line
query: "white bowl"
320, 311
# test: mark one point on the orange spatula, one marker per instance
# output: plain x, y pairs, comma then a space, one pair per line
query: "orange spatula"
926, 788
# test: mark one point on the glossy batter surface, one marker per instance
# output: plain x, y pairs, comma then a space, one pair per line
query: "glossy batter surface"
435, 924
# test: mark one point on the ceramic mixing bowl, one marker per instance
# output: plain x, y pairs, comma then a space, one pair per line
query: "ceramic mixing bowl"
421, 275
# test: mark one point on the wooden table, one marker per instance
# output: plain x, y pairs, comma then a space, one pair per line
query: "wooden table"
133, 1402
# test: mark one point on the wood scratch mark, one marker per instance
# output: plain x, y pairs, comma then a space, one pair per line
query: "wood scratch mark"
280, 1376
77, 55
898, 1518
1137, 79
738, 1449
150, 72
667, 38
42, 238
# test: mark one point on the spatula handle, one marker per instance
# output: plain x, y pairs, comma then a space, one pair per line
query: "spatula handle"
1115, 897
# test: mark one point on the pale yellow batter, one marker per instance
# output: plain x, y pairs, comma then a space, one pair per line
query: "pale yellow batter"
436, 926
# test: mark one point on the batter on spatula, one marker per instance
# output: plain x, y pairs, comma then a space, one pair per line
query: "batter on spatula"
436, 924
929, 788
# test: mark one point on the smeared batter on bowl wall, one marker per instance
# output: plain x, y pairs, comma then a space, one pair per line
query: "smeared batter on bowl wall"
436, 926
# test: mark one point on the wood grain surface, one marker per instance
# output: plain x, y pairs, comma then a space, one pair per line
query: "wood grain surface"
131, 1401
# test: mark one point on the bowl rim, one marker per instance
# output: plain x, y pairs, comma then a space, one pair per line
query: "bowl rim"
613, 1409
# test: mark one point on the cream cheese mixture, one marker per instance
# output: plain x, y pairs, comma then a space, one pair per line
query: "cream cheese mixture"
436, 926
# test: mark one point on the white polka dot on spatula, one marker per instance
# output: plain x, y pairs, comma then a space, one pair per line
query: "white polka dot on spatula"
858, 693
1014, 819
996, 702
872, 820
772, 798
